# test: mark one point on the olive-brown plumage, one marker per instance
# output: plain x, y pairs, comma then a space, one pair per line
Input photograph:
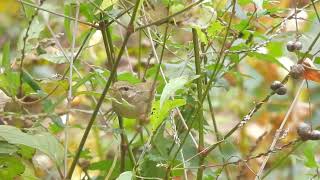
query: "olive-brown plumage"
132, 100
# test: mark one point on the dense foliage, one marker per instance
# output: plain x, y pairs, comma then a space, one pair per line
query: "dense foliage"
169, 89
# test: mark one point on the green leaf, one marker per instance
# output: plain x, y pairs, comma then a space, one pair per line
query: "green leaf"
6, 148
107, 3
202, 36
10, 82
158, 114
26, 151
10, 167
127, 76
44, 142
214, 28
100, 165
86, 10
174, 85
30, 81
309, 153
176, 7
317, 60
82, 81
125, 176
6, 57
56, 58
34, 32
275, 48
67, 22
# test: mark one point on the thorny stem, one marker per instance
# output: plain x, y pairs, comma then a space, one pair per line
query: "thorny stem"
108, 84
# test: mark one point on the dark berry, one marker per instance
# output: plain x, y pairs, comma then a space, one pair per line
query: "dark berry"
276, 85
304, 130
296, 71
291, 46
306, 133
281, 91
298, 45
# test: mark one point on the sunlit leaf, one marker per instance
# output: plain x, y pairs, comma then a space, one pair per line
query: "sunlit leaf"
26, 151
44, 142
107, 3
173, 86
309, 153
11, 167
125, 176
158, 114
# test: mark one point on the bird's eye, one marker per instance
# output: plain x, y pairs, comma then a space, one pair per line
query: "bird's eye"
125, 88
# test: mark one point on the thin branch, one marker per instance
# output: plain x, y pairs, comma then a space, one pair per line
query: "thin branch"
70, 96
167, 18
57, 14
25, 38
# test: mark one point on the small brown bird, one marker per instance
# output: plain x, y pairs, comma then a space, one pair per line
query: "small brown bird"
132, 100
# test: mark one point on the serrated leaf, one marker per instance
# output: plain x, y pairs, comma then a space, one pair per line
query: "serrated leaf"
158, 114
174, 85
44, 142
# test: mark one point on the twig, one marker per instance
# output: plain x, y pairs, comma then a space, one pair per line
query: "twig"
25, 38
70, 96
57, 14
114, 162
166, 19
